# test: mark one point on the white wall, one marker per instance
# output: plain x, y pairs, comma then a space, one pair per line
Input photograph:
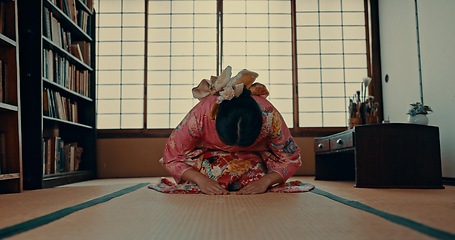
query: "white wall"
400, 62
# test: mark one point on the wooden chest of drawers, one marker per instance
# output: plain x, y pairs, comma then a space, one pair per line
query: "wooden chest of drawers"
335, 156
382, 155
335, 142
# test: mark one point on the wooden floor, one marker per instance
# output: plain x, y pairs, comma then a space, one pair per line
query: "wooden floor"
127, 209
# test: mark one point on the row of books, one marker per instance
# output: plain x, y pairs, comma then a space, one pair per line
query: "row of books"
60, 157
81, 50
68, 7
3, 153
3, 81
58, 69
53, 30
83, 20
57, 106
77, 15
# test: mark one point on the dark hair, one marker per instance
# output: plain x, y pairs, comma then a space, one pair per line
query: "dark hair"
239, 120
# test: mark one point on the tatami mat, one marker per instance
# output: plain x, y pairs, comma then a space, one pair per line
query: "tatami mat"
19, 207
147, 214
432, 207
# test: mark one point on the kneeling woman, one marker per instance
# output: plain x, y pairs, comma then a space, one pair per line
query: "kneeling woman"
232, 140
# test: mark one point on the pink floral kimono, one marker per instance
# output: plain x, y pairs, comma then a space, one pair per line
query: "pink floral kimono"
195, 144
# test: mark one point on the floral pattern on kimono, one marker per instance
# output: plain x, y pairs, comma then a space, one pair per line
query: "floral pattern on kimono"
194, 143
232, 170
168, 186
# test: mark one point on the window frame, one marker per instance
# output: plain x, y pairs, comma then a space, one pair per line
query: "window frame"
373, 67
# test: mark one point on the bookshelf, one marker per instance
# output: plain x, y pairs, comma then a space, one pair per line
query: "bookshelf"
58, 91
10, 125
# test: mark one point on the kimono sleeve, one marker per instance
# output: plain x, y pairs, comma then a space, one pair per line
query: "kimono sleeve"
285, 153
180, 146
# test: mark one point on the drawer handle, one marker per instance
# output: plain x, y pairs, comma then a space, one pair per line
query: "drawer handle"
320, 145
339, 141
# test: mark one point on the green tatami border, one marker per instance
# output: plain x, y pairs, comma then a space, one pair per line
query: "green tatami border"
422, 228
43, 220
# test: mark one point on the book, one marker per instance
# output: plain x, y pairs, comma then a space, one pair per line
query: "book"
89, 4
56, 30
72, 10
60, 163
65, 7
78, 158
76, 51
47, 23
66, 157
52, 106
83, 19
52, 142
72, 156
54, 155
45, 103
59, 104
47, 164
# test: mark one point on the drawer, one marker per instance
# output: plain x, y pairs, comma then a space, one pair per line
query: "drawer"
342, 141
321, 145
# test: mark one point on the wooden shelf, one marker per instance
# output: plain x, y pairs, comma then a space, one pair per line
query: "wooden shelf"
50, 65
9, 176
53, 180
8, 107
10, 111
56, 120
64, 89
6, 41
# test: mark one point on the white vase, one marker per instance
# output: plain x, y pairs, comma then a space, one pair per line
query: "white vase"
418, 119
